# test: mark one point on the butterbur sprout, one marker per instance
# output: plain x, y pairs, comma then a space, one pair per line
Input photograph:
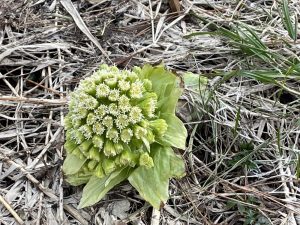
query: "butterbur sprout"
120, 125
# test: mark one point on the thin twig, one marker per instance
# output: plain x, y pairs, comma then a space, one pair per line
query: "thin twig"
11, 210
38, 101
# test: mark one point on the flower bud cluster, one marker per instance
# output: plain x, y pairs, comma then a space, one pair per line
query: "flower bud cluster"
112, 120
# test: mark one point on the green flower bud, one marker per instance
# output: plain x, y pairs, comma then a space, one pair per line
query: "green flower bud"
102, 90
78, 153
124, 85
98, 128
109, 148
77, 136
70, 146
159, 126
113, 135
108, 166
146, 160
99, 172
139, 132
132, 76
122, 121
135, 115
111, 82
150, 137
101, 111
126, 135
94, 154
144, 123
88, 86
118, 147
97, 78
67, 123
86, 130
69, 135
148, 105
91, 119
98, 142
76, 121
92, 164
114, 95
104, 67
72, 104
113, 109
128, 158
108, 122
85, 146
124, 104
147, 85
89, 102
137, 70
117, 161
85, 168
80, 113
136, 90
114, 69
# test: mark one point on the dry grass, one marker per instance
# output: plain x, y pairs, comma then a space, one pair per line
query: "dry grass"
244, 135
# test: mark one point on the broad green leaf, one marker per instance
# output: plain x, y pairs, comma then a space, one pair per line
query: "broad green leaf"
177, 167
112, 176
96, 188
162, 80
78, 179
195, 81
176, 133
164, 84
168, 103
153, 184
72, 164
146, 71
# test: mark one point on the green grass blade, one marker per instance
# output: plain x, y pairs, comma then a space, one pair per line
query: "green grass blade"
200, 33
253, 38
287, 22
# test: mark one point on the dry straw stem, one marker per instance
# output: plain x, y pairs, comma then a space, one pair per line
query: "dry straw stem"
47, 102
11, 210
46, 49
45, 190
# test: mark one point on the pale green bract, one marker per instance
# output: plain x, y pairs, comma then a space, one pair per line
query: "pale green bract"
121, 125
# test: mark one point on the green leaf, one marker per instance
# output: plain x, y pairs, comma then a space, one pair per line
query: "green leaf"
195, 81
176, 133
177, 167
265, 76
72, 164
287, 22
96, 188
164, 84
298, 167
78, 178
168, 103
166, 166
162, 80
